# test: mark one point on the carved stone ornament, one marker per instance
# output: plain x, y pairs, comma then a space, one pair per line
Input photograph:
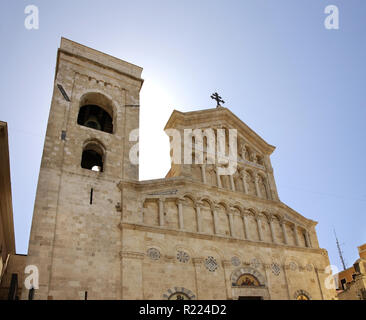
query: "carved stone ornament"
153, 253
211, 264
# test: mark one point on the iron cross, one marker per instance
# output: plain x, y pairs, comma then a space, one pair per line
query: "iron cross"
218, 99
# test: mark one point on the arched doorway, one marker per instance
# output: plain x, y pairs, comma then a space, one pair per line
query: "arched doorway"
248, 283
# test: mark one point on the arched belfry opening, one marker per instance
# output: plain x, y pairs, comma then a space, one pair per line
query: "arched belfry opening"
96, 112
93, 156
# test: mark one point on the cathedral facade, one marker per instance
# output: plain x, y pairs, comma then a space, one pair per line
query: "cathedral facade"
100, 232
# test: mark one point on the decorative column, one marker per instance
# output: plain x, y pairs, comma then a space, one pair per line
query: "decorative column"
272, 231
180, 213
203, 170
268, 189
307, 239
245, 223
256, 186
267, 268
283, 226
259, 228
197, 263
231, 223
218, 180
296, 235
245, 187
131, 264
320, 287
285, 268
232, 184
198, 216
227, 266
214, 212
161, 212
142, 212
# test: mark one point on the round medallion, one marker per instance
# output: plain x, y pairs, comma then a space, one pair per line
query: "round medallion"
179, 296
235, 261
293, 266
211, 264
153, 254
182, 256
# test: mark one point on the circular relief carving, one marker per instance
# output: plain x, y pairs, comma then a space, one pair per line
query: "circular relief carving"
211, 264
179, 293
276, 269
179, 296
235, 261
309, 267
182, 256
153, 254
293, 266
255, 263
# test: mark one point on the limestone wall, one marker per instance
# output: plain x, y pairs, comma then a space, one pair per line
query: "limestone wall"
155, 261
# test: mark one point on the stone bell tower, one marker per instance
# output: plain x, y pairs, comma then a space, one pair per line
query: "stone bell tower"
75, 240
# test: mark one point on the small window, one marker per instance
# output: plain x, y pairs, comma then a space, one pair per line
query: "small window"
92, 157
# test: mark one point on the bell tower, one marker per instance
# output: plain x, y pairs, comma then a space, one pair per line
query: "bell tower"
75, 240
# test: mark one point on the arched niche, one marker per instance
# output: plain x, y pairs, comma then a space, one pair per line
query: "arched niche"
93, 156
207, 217
240, 275
302, 295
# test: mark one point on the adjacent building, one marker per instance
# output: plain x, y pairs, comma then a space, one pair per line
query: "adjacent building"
7, 240
352, 281
11, 271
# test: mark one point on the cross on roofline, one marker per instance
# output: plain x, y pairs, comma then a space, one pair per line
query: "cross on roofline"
215, 96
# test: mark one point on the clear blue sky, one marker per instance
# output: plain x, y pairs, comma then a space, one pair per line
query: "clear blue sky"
298, 85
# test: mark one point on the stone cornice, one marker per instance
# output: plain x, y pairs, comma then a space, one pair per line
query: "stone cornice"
131, 255
68, 57
99, 59
197, 261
